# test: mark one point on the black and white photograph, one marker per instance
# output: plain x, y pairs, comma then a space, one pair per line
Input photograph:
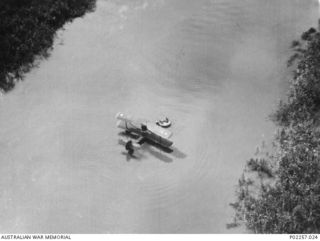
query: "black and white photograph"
159, 117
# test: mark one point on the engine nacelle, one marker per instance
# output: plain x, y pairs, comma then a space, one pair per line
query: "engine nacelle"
121, 116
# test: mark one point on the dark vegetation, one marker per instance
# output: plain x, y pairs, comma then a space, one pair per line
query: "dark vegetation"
280, 192
27, 30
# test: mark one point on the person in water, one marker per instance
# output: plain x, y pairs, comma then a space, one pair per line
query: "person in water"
129, 148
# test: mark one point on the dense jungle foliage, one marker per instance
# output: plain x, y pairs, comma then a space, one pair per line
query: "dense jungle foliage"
27, 29
279, 191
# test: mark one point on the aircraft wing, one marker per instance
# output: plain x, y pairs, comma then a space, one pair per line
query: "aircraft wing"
159, 130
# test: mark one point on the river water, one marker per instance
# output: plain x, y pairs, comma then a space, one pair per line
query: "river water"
216, 68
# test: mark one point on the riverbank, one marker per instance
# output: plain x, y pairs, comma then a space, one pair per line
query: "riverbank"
285, 196
27, 32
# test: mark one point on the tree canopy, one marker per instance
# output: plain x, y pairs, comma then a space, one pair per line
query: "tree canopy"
27, 30
279, 192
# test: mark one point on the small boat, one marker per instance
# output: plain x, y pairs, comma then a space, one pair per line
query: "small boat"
164, 123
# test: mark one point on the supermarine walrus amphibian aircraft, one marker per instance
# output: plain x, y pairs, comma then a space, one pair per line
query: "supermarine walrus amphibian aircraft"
144, 131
